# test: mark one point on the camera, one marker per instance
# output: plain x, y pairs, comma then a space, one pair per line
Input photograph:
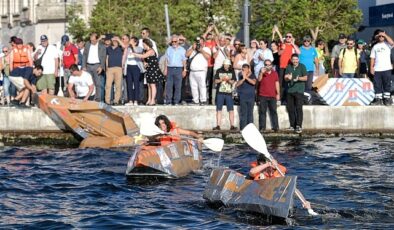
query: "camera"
198, 43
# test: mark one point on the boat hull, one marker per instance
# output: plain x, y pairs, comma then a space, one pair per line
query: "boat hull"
273, 197
177, 159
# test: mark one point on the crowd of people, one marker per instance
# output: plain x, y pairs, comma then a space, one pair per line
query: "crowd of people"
215, 68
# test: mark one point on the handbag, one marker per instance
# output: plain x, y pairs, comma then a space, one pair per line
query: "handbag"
39, 60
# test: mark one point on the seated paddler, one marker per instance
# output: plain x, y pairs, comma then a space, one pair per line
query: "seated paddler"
173, 133
264, 169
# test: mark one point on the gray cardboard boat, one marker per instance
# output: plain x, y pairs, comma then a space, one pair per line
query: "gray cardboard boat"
272, 197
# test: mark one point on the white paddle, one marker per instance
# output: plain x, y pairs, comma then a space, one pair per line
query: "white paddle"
255, 140
148, 129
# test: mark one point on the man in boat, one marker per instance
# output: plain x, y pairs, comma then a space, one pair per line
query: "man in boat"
173, 132
264, 169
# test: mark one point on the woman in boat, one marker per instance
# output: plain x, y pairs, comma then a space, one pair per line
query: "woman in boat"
264, 169
173, 132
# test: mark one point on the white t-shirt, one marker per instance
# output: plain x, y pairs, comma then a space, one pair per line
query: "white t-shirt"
219, 58
82, 84
48, 61
93, 57
199, 62
382, 54
154, 47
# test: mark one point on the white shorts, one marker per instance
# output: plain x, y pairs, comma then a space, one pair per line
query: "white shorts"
18, 82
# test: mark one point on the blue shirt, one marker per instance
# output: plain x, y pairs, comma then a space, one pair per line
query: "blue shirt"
307, 57
114, 56
26, 73
175, 56
246, 91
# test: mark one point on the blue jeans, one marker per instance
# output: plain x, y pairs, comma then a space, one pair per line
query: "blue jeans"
246, 112
348, 75
133, 83
174, 85
308, 85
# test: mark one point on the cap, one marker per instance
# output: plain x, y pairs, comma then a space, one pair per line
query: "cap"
18, 41
360, 41
226, 62
307, 38
43, 37
12, 39
108, 37
341, 36
65, 39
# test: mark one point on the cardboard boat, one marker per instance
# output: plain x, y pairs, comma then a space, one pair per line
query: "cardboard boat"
271, 197
174, 160
98, 124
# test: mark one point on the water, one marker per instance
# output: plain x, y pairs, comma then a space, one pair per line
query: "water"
348, 180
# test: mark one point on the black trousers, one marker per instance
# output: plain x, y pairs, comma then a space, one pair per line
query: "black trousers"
270, 103
294, 108
209, 81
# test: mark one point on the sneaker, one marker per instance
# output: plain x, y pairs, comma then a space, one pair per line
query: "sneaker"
290, 129
262, 130
377, 101
216, 128
204, 103
387, 101
233, 128
298, 129
194, 103
135, 103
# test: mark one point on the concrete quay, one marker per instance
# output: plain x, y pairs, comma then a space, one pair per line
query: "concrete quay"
325, 121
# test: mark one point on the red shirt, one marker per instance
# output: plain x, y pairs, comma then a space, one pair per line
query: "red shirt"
69, 53
285, 57
267, 84
211, 44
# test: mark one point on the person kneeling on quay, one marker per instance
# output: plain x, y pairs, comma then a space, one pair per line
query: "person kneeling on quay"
25, 80
83, 82
172, 131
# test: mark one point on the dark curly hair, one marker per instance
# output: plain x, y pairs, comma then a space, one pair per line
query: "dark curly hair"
166, 121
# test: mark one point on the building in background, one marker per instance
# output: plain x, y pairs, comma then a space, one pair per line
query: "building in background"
28, 19
377, 14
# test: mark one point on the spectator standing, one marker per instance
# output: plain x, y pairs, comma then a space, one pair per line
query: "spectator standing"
254, 45
269, 95
241, 59
308, 57
262, 54
145, 34
114, 74
275, 55
246, 91
335, 54
175, 66
220, 53
296, 76
381, 67
70, 57
49, 56
364, 58
153, 73
83, 84
94, 58
349, 60
182, 42
199, 56
210, 42
224, 79
81, 48
134, 68
5, 71
20, 56
322, 53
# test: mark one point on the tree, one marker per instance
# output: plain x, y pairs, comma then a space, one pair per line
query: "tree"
77, 27
321, 19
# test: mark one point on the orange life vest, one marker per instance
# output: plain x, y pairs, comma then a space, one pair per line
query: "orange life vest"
20, 56
270, 173
167, 139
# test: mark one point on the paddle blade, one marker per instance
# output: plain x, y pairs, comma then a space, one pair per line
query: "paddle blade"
255, 140
150, 129
214, 144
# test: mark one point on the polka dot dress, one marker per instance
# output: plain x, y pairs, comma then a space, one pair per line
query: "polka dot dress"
153, 73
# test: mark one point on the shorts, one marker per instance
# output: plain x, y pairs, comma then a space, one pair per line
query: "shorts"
18, 82
46, 81
222, 99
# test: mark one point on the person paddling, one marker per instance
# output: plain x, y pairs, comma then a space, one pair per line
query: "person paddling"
173, 131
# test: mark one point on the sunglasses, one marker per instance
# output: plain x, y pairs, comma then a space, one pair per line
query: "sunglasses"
174, 41
236, 44
307, 41
350, 44
287, 36
5, 51
267, 65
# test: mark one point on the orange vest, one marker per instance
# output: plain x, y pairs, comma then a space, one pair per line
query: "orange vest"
270, 173
167, 139
20, 56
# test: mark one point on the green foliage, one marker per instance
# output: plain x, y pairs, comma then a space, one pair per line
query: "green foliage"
302, 17
76, 25
189, 17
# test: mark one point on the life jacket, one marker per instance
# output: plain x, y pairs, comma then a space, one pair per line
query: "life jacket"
167, 139
20, 56
268, 174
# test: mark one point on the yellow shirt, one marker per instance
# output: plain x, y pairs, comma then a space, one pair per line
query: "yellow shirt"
349, 60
